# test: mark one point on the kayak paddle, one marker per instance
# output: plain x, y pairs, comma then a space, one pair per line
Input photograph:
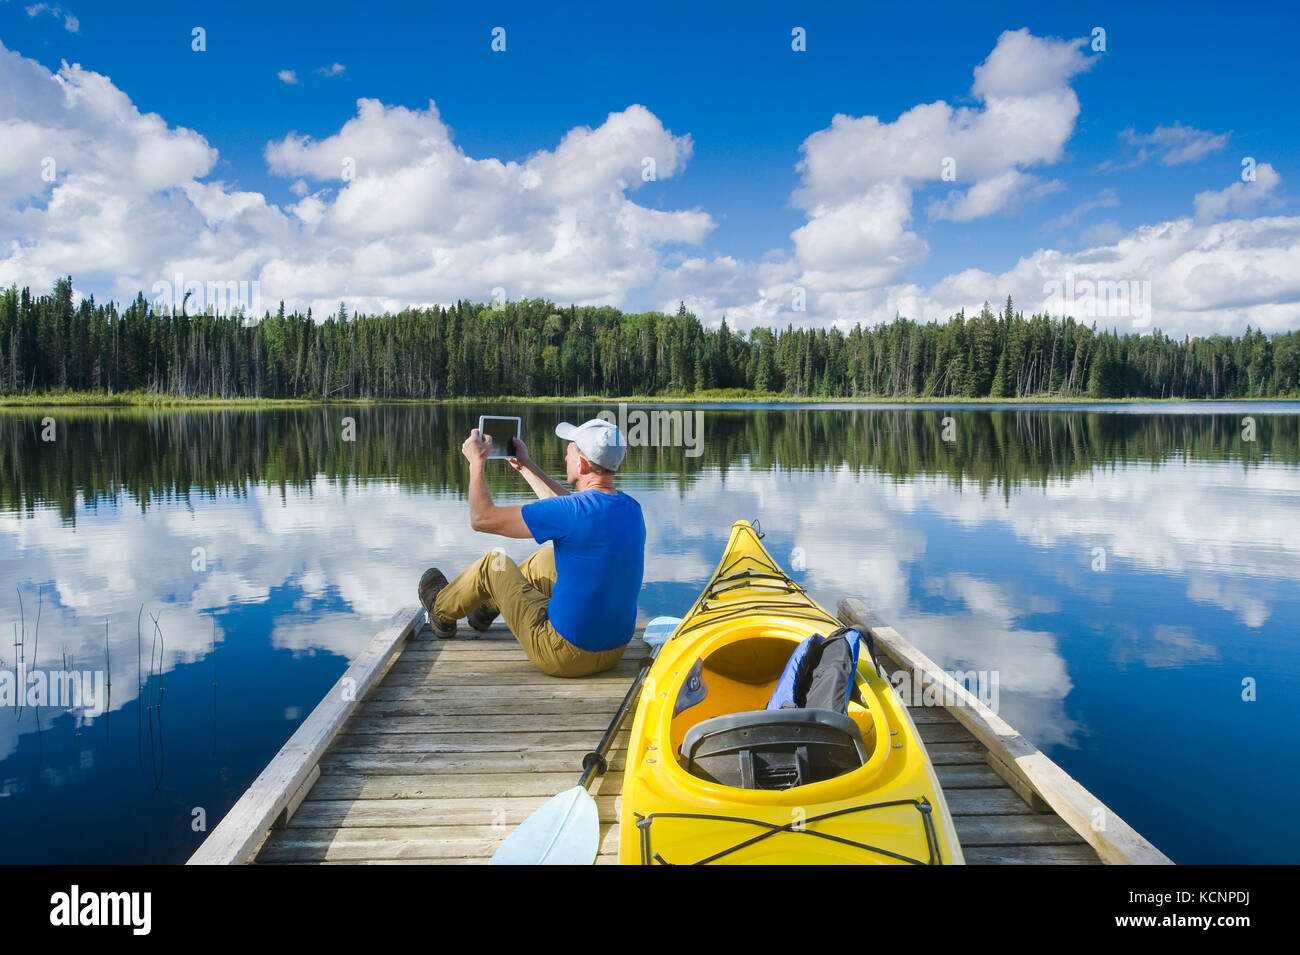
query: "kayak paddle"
566, 830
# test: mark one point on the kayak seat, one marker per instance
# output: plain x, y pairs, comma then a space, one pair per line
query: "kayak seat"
773, 749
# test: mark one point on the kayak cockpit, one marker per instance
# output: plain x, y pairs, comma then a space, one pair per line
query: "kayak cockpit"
723, 733
773, 749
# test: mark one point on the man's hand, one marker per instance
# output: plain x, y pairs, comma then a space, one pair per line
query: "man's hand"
476, 447
483, 514
521, 459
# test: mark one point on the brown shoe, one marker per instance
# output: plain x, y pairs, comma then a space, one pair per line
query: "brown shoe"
431, 585
480, 619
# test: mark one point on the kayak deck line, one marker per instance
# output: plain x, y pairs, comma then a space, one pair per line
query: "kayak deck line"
446, 746
1057, 819
429, 751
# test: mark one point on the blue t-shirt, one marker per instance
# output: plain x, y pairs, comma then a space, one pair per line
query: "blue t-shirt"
599, 559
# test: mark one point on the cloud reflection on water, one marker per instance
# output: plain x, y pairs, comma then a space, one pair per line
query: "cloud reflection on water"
860, 535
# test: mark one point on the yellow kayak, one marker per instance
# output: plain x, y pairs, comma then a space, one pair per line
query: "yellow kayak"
713, 776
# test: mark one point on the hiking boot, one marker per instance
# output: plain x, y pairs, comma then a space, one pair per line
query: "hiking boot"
480, 619
431, 585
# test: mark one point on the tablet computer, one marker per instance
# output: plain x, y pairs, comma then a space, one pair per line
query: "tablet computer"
503, 430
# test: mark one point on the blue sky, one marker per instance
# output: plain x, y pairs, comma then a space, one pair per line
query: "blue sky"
727, 78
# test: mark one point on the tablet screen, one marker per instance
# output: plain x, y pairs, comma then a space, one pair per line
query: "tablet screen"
502, 430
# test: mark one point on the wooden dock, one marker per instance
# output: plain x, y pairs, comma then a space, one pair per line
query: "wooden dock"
430, 751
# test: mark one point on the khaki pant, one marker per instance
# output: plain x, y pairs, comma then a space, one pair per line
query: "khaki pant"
521, 592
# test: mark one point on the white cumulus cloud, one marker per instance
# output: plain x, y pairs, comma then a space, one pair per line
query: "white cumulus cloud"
1172, 145
990, 196
70, 22
1240, 197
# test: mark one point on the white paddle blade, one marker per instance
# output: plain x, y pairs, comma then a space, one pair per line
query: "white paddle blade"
659, 629
565, 831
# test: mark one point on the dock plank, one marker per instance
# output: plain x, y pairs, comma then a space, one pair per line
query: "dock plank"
439, 672
523, 680
487, 651
425, 786
521, 741
329, 844
951, 754
450, 708
1080, 854
966, 777
1015, 830
952, 732
462, 785
514, 693
446, 811
487, 764
985, 802
929, 714
482, 723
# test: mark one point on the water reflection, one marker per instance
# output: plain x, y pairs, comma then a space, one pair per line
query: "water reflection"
258, 551
102, 457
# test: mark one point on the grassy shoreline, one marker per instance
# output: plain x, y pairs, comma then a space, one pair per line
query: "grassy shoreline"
731, 396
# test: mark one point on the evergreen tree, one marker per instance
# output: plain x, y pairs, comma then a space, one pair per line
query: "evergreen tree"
1101, 381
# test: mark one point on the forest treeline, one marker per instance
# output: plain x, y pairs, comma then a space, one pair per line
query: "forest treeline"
534, 348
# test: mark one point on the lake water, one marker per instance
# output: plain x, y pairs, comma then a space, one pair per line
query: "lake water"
1131, 573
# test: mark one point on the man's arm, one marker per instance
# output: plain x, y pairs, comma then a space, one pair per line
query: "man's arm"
483, 514
541, 482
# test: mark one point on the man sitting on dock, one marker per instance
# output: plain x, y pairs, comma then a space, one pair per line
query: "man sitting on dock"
572, 607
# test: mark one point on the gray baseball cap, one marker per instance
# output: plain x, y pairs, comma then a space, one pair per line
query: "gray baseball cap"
599, 440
